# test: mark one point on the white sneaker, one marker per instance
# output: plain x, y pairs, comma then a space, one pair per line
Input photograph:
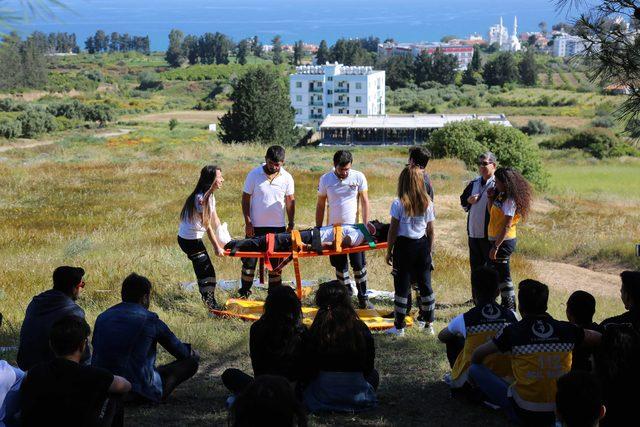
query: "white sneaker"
428, 329
395, 332
420, 324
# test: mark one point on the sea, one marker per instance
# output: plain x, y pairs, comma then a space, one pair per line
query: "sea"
307, 20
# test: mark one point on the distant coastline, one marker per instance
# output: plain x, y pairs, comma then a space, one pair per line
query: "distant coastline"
404, 20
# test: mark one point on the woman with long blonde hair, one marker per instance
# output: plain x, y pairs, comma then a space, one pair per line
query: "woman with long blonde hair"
410, 242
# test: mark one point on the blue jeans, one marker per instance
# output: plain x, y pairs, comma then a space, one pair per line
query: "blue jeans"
495, 390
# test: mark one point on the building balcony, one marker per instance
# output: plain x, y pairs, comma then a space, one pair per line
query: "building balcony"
341, 90
341, 104
316, 89
316, 116
316, 103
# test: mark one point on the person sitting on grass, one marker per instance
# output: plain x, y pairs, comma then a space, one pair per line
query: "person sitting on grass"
275, 341
339, 356
581, 306
469, 330
62, 392
269, 400
44, 310
10, 381
630, 294
579, 400
314, 239
541, 351
616, 366
125, 340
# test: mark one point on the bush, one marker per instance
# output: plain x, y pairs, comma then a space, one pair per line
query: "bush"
600, 143
35, 122
149, 81
72, 109
536, 127
603, 122
8, 105
173, 123
101, 113
466, 140
10, 128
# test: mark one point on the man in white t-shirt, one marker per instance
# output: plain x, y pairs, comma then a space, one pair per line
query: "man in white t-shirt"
340, 189
268, 190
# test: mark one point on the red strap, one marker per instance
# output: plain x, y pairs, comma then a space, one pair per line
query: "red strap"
271, 243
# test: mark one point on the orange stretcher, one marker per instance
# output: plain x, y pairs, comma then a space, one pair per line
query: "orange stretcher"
252, 310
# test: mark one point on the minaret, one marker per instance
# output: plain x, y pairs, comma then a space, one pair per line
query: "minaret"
515, 25
501, 32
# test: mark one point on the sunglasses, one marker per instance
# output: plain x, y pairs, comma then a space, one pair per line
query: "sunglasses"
484, 163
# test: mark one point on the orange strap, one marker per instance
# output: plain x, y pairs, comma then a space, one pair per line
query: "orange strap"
337, 237
296, 247
296, 241
271, 243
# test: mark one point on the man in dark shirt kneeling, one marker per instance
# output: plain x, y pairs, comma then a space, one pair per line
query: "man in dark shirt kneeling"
125, 338
63, 392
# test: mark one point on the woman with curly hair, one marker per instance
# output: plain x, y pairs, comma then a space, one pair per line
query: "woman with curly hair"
509, 202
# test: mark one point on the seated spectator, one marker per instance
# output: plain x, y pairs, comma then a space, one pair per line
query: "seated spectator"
61, 392
44, 310
630, 294
475, 327
275, 341
268, 400
581, 306
541, 350
10, 381
339, 356
125, 340
579, 400
616, 366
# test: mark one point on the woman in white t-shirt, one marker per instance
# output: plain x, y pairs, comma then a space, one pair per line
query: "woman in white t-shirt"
198, 217
409, 248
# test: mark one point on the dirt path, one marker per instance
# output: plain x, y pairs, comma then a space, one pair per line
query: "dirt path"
191, 116
22, 144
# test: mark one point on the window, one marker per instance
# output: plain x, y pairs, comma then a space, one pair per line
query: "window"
329, 105
298, 111
358, 99
358, 85
329, 91
298, 98
358, 111
298, 85
329, 79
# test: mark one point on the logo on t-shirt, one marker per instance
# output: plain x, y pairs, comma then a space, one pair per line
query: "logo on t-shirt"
542, 329
490, 312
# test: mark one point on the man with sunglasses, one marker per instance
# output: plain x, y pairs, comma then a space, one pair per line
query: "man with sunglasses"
44, 310
268, 191
474, 201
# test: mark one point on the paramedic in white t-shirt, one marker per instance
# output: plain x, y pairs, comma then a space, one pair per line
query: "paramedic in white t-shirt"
409, 249
268, 192
340, 189
199, 217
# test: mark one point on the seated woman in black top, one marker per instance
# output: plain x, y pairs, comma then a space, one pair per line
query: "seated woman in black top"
275, 341
339, 356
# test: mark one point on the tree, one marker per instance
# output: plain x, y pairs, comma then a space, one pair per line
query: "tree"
472, 76
370, 44
277, 50
243, 50
207, 48
398, 71
101, 41
476, 61
500, 70
11, 60
610, 49
448, 38
298, 52
528, 68
438, 67
34, 63
543, 27
222, 46
322, 55
261, 109
190, 49
114, 42
350, 52
256, 47
175, 55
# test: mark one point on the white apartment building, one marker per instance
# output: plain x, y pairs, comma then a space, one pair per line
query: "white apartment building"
566, 45
319, 90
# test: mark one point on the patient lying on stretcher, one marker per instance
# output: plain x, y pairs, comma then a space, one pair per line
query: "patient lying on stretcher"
316, 239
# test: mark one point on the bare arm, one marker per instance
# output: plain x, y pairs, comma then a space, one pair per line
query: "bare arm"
391, 239
119, 385
290, 202
483, 351
246, 213
445, 335
366, 207
320, 204
500, 238
591, 338
430, 235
